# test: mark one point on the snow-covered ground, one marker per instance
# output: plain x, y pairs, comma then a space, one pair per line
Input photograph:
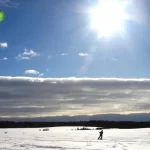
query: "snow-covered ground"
64, 138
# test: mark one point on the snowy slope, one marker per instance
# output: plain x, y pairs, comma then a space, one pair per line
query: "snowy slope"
64, 138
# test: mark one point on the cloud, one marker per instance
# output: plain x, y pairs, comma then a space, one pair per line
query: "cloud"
64, 54
83, 54
27, 54
3, 45
31, 72
8, 3
41, 75
30, 53
34, 97
114, 59
110, 117
5, 58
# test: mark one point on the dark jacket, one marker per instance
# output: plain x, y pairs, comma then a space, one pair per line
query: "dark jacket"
101, 133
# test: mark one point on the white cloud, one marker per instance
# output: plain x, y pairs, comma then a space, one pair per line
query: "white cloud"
27, 54
4, 45
72, 96
114, 59
5, 58
83, 54
30, 53
21, 58
64, 54
31, 72
41, 75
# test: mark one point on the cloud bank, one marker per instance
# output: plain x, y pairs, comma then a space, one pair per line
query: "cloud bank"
36, 97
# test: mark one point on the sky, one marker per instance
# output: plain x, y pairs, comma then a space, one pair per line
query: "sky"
52, 63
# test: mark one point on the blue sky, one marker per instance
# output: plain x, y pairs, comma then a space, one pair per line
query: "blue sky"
75, 71
52, 28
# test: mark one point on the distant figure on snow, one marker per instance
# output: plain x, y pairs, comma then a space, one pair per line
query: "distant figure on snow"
100, 135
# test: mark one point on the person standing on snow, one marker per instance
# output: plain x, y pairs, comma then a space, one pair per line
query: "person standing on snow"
101, 135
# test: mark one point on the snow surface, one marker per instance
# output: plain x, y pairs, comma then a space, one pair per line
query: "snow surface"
67, 138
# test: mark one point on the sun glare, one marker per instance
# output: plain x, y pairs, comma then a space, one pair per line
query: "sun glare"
107, 17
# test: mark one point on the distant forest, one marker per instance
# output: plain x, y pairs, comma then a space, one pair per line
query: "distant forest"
92, 123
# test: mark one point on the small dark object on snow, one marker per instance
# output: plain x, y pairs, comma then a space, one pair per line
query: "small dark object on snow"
46, 129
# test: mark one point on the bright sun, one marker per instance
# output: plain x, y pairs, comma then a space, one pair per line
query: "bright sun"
108, 16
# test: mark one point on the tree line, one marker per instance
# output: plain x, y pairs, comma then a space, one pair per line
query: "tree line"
92, 123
